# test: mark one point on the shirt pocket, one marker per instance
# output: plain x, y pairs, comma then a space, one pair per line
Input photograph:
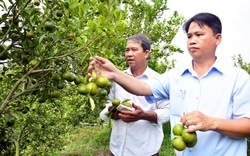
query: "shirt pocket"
177, 102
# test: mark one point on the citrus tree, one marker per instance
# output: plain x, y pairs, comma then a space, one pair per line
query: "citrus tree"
44, 51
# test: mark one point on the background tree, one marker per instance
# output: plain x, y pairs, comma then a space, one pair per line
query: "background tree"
44, 51
238, 62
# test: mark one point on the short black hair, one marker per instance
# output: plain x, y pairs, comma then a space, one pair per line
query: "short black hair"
143, 39
211, 20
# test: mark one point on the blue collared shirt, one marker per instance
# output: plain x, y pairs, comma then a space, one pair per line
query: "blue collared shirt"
223, 92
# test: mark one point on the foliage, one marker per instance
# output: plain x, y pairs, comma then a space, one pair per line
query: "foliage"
42, 40
238, 62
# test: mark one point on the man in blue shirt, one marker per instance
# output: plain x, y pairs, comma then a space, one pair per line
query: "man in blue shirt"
207, 96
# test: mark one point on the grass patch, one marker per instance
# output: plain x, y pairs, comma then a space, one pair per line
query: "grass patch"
94, 141
87, 141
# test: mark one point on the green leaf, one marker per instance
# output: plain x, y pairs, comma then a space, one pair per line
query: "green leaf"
103, 9
33, 105
126, 100
41, 38
92, 103
4, 16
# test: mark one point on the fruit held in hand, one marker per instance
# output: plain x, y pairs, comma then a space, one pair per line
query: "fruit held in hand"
192, 144
183, 139
188, 137
177, 129
178, 143
125, 105
115, 102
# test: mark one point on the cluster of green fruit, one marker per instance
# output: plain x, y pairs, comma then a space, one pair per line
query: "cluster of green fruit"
183, 139
117, 104
98, 85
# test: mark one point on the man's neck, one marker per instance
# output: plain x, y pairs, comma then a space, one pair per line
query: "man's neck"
202, 67
138, 71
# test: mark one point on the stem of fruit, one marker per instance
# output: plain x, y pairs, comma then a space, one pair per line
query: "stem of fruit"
109, 113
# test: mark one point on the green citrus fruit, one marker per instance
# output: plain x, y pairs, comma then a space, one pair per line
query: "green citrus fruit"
70, 35
178, 143
177, 129
82, 89
188, 137
10, 123
79, 79
59, 13
192, 144
42, 99
55, 94
60, 85
115, 102
92, 88
68, 76
56, 77
30, 35
102, 81
110, 83
49, 25
10, 18
102, 92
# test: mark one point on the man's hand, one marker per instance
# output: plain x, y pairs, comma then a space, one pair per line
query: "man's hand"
196, 120
131, 116
103, 66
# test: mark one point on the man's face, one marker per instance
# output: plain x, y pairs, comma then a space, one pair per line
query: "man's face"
134, 54
201, 42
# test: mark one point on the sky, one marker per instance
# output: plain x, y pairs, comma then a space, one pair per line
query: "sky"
235, 19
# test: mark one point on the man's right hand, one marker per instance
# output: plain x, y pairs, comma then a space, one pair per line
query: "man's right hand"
103, 66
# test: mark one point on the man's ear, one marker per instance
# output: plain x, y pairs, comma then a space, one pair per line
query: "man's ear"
218, 38
146, 54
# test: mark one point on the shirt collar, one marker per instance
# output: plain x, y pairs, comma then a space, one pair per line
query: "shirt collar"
146, 73
218, 66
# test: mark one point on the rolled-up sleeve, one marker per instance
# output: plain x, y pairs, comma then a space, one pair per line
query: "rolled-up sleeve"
162, 111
